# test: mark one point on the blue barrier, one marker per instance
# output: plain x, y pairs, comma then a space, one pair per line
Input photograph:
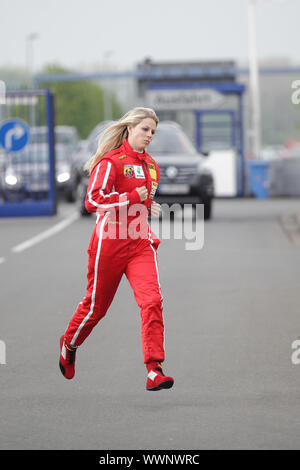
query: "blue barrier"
27, 170
258, 178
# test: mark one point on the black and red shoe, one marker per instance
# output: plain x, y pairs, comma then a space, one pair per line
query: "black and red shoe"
67, 359
156, 380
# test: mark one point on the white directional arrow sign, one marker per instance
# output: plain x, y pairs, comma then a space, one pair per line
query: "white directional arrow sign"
14, 135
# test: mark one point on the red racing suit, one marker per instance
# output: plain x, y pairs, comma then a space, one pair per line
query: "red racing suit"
122, 243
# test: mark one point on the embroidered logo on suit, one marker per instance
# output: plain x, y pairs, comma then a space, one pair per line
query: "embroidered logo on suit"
138, 171
152, 171
154, 185
128, 171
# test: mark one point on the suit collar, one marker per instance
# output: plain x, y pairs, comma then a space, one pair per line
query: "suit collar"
130, 152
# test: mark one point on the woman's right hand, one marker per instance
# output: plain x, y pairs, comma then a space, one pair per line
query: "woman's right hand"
143, 193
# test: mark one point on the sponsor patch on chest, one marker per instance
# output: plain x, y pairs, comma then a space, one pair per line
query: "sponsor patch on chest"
138, 171
133, 170
152, 171
128, 171
154, 185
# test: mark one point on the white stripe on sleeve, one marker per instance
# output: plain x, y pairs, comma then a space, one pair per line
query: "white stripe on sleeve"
106, 176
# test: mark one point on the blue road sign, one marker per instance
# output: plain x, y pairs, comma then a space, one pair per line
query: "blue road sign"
14, 135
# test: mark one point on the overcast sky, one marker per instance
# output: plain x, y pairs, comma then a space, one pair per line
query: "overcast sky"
80, 32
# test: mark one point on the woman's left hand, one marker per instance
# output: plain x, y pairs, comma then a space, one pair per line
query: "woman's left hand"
155, 209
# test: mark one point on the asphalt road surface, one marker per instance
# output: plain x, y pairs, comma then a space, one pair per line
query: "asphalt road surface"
232, 314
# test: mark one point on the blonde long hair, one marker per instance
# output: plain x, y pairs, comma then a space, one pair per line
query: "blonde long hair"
115, 134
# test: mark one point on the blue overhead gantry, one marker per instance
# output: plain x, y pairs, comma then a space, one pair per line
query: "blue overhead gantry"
210, 93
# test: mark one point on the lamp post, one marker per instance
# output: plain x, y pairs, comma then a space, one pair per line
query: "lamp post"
254, 77
30, 38
254, 81
107, 99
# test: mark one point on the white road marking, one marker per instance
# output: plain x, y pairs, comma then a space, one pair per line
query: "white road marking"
2, 260
46, 234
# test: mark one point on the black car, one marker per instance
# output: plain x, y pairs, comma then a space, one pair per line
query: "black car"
184, 176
